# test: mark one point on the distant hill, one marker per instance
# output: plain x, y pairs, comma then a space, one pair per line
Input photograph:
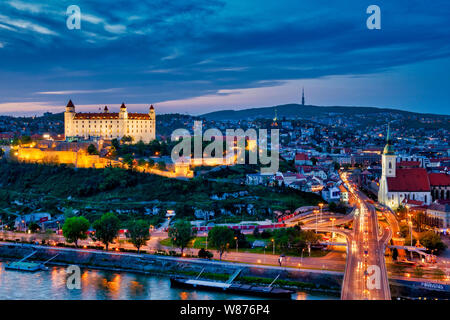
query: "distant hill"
292, 111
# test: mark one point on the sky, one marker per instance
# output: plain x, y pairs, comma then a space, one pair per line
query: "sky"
199, 56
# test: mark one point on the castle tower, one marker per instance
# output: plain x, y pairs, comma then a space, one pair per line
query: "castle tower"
106, 110
68, 119
123, 114
151, 112
303, 96
152, 115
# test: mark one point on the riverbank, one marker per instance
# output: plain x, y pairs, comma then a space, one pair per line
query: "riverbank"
322, 281
306, 280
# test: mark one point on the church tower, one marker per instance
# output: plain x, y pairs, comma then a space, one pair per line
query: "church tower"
388, 164
303, 96
388, 159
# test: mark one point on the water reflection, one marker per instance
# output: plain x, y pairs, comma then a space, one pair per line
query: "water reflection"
102, 285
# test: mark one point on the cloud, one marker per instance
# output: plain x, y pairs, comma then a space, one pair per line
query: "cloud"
175, 50
118, 28
30, 7
69, 92
28, 25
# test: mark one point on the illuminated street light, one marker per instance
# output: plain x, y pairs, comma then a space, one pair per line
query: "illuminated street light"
321, 206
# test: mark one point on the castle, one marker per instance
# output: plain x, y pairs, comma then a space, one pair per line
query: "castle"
107, 126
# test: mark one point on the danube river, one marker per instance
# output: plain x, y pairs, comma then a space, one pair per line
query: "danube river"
104, 285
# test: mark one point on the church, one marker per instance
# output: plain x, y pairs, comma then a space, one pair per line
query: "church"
106, 125
398, 185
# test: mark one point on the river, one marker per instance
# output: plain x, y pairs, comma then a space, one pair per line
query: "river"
105, 285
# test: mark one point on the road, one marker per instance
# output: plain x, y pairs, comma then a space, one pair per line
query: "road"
365, 275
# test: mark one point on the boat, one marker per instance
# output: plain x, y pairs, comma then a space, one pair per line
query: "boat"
23, 265
229, 287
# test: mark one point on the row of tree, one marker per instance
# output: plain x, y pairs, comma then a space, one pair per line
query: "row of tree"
106, 230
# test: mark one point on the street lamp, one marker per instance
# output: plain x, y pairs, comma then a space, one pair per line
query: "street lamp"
316, 212
273, 246
332, 228
265, 247
321, 206
410, 232
237, 244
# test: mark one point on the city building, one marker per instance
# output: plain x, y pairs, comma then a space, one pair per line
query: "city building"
107, 125
398, 184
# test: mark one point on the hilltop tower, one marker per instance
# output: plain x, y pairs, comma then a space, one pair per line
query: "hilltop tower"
303, 96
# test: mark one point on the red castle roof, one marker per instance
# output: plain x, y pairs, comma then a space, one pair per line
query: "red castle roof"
110, 116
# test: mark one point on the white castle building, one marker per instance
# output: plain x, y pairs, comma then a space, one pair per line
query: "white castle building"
106, 125
399, 185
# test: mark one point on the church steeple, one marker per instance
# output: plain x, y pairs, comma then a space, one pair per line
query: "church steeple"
388, 149
303, 96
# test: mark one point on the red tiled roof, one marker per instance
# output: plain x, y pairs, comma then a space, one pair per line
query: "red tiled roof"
6, 135
409, 180
413, 202
409, 164
439, 179
301, 156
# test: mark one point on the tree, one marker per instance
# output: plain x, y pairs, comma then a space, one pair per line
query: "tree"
161, 165
92, 149
142, 162
139, 233
116, 144
127, 139
432, 241
25, 140
220, 238
75, 229
256, 232
106, 228
204, 254
128, 159
2, 153
33, 227
181, 234
394, 254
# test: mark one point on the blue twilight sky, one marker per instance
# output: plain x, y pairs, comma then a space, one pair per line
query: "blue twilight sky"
198, 56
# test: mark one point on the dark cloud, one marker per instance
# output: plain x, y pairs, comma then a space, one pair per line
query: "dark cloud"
165, 50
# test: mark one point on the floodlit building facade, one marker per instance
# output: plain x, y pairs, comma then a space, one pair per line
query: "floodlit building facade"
107, 126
